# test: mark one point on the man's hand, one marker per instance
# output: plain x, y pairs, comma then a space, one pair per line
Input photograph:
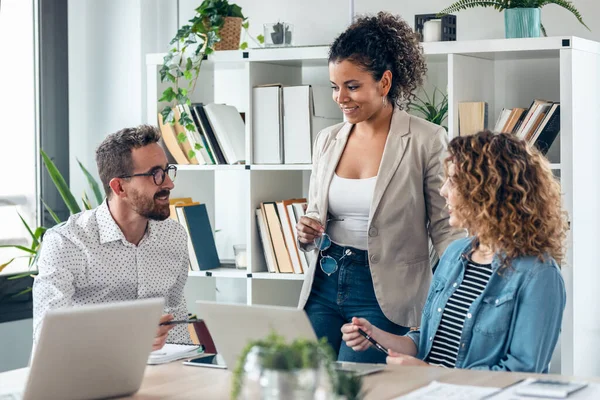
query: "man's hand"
162, 332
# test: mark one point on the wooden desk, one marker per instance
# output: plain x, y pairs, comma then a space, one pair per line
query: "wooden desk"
176, 381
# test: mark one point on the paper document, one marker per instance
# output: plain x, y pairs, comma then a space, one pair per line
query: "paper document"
171, 352
589, 392
446, 391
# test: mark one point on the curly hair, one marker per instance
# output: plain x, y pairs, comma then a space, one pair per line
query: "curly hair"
380, 43
507, 196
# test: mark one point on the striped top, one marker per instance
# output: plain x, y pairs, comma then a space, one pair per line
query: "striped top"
447, 338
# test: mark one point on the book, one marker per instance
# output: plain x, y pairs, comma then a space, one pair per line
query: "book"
284, 262
548, 130
228, 126
290, 242
169, 137
199, 138
201, 241
549, 388
267, 125
265, 239
171, 352
472, 117
183, 139
213, 143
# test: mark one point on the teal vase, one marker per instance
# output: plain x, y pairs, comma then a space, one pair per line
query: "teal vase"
522, 22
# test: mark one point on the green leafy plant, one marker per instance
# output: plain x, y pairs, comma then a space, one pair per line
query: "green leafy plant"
36, 234
502, 5
276, 354
191, 44
432, 111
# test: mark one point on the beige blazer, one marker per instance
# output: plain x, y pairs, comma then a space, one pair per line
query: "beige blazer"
407, 209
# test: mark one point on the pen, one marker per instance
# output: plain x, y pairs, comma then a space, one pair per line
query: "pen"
181, 321
370, 339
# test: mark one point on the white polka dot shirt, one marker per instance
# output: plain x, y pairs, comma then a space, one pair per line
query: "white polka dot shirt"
87, 260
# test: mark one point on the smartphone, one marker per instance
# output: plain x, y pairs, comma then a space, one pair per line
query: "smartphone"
207, 360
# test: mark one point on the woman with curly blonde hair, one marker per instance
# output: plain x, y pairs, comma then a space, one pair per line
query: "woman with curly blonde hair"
497, 298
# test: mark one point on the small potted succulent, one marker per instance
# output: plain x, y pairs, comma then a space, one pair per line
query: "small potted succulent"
278, 34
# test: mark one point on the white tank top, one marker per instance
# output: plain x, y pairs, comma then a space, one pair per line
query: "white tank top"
350, 200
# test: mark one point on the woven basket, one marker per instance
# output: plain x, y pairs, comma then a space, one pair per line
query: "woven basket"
230, 34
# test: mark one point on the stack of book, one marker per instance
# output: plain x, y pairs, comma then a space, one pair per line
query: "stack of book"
201, 241
276, 223
216, 136
539, 124
286, 120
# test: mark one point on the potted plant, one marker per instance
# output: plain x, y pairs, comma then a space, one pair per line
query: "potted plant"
215, 26
432, 111
36, 235
297, 370
522, 18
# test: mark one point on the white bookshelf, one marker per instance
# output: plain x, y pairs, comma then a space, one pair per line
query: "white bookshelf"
502, 72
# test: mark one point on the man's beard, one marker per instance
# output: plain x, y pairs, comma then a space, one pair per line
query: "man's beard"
146, 206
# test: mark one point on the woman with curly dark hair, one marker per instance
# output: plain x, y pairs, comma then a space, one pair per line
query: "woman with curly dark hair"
374, 200
497, 297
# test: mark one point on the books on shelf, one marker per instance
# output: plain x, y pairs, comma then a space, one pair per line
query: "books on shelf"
201, 242
472, 117
539, 124
286, 120
215, 135
276, 222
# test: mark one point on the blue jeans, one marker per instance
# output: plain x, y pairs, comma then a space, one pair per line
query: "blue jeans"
347, 293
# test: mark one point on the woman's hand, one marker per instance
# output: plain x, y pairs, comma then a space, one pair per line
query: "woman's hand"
355, 340
308, 229
403, 359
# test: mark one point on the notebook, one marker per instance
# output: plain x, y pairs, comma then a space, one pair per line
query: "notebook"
549, 388
171, 352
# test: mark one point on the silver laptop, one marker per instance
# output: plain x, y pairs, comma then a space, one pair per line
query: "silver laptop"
93, 351
232, 326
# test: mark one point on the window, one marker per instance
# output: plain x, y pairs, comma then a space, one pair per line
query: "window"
18, 144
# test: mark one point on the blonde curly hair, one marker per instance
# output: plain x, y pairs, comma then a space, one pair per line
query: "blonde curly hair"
508, 197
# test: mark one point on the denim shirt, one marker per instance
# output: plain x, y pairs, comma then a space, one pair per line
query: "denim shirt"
512, 326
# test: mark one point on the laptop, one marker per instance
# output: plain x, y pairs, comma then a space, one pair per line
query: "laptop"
232, 326
92, 351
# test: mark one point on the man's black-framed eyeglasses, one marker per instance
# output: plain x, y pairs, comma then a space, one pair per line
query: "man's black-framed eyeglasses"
158, 174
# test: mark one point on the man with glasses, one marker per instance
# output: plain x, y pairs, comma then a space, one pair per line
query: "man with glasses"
126, 248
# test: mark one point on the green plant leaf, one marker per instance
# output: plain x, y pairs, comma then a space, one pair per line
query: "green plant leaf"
261, 39
33, 237
198, 146
39, 232
16, 246
246, 25
466, 4
19, 276
60, 184
6, 264
243, 45
187, 75
191, 154
567, 5
22, 292
93, 183
181, 137
168, 95
52, 213
86, 201
167, 115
